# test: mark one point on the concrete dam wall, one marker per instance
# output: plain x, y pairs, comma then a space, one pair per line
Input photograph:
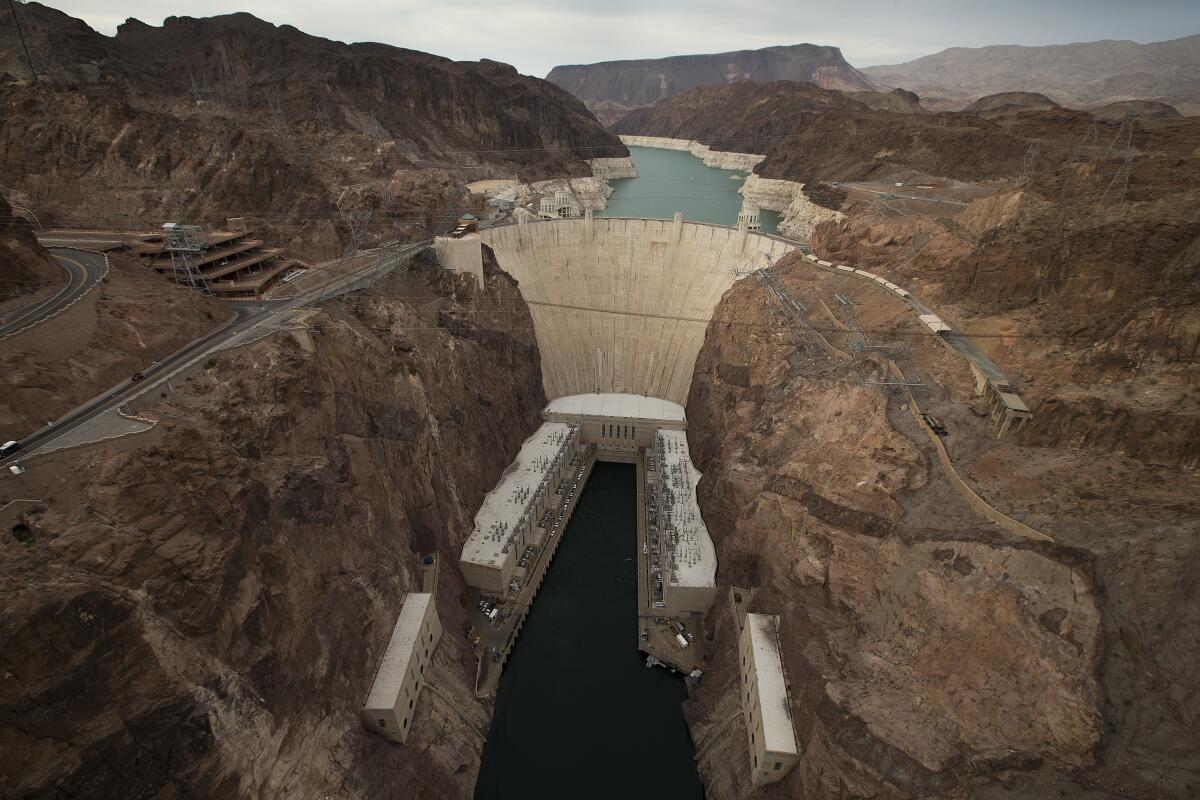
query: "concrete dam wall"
621, 305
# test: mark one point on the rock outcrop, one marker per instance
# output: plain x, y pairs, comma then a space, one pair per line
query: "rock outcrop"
230, 116
25, 266
614, 88
201, 610
925, 652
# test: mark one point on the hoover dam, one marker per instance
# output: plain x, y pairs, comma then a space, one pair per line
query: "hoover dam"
621, 305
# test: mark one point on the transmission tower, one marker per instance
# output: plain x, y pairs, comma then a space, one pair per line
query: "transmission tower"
1120, 182
183, 243
1123, 136
356, 221
1028, 161
1090, 140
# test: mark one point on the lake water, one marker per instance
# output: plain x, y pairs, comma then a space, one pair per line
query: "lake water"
674, 180
578, 714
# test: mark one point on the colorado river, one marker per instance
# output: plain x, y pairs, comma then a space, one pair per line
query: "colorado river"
674, 180
577, 713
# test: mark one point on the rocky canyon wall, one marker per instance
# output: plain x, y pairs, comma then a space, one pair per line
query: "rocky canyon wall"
200, 610
927, 650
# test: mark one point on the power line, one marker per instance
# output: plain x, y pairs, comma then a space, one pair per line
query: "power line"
21, 34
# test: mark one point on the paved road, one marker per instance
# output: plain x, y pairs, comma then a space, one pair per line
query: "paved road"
84, 271
248, 318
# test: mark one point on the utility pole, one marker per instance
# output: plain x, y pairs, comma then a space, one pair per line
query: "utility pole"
183, 242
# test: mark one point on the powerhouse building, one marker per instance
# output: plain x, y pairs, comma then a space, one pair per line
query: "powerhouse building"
516, 513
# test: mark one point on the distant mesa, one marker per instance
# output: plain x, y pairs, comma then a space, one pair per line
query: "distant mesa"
611, 89
1006, 104
1149, 109
1081, 75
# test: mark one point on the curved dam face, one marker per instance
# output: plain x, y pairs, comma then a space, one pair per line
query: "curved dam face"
621, 305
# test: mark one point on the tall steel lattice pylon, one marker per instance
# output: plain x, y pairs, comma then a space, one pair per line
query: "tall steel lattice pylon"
183, 243
1090, 140
1120, 181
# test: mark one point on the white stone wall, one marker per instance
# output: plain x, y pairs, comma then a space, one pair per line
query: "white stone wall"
800, 215
612, 168
718, 159
622, 305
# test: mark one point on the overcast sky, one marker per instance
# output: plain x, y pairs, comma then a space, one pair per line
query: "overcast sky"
534, 36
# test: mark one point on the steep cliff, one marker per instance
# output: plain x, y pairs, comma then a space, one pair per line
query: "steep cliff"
230, 116
927, 649
931, 652
25, 266
200, 610
614, 88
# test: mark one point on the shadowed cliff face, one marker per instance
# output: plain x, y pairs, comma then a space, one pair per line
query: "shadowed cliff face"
231, 116
202, 609
25, 266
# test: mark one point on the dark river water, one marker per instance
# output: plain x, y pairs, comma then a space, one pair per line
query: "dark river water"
674, 180
578, 715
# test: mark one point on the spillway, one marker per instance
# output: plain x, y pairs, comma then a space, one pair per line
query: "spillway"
621, 305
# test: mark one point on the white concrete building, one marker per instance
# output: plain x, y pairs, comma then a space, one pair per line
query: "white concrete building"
765, 705
512, 516
617, 424
391, 704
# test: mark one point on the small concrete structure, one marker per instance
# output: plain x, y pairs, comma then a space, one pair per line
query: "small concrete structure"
934, 323
749, 216
1007, 407
511, 517
765, 704
463, 253
391, 705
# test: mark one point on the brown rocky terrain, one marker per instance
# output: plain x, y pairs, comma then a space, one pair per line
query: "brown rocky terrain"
208, 119
25, 266
930, 651
813, 134
614, 88
199, 611
1085, 293
129, 321
1078, 75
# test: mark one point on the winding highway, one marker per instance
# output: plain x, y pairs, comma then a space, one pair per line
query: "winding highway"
84, 271
249, 318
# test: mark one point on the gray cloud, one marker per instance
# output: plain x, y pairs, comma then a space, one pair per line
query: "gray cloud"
534, 36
